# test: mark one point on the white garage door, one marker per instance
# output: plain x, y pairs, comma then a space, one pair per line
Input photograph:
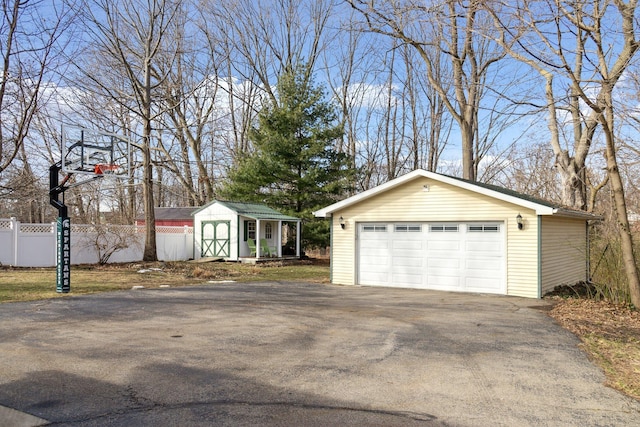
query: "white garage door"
446, 256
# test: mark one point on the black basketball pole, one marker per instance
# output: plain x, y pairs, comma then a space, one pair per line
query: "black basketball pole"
63, 248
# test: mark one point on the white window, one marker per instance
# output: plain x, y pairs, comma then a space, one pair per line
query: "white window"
374, 228
268, 231
439, 228
405, 228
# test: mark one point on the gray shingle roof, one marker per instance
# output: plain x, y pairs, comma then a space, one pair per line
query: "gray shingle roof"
561, 208
181, 213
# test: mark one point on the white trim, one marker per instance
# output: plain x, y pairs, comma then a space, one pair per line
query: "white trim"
540, 209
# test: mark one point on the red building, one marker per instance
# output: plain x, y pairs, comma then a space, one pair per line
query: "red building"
176, 217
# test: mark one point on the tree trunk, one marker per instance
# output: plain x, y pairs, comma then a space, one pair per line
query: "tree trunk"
573, 183
468, 169
149, 212
150, 252
617, 187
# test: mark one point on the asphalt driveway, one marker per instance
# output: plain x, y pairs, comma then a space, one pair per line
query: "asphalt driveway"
297, 354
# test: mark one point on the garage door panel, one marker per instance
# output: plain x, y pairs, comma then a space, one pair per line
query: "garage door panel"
374, 278
380, 238
416, 245
443, 245
484, 248
481, 274
413, 261
442, 263
407, 269
477, 284
481, 264
377, 264
408, 280
443, 282
376, 253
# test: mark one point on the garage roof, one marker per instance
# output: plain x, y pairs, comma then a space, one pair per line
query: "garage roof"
541, 207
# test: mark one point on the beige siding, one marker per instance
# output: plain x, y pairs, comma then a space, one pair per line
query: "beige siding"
442, 202
563, 252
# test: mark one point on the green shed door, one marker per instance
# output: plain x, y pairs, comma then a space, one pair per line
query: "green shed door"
216, 240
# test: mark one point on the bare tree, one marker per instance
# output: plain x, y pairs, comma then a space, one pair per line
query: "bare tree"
193, 107
521, 28
263, 39
452, 29
32, 38
272, 37
590, 70
131, 38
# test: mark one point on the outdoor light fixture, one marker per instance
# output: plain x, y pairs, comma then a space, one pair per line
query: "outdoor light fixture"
341, 222
519, 221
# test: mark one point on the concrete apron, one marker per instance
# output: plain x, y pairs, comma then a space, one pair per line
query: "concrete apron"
11, 417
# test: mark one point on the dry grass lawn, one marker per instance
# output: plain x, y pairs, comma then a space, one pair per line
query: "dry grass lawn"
610, 335
27, 284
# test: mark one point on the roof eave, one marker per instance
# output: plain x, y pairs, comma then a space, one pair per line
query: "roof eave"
568, 213
268, 218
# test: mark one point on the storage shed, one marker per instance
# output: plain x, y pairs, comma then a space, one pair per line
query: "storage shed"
236, 230
433, 231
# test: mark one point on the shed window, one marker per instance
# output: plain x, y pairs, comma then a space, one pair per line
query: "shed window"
439, 228
405, 228
268, 231
374, 228
251, 230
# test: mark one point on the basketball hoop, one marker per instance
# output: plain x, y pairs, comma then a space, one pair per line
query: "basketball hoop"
105, 169
92, 153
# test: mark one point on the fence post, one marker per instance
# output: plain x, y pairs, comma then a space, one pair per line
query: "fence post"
15, 228
54, 230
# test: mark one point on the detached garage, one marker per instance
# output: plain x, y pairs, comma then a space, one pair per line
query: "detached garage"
432, 231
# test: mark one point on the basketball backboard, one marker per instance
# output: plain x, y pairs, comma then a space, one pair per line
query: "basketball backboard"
91, 152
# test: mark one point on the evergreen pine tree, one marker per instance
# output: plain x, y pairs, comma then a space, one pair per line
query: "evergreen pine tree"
294, 167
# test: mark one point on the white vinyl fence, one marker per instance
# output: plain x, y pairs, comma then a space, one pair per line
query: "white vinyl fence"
34, 245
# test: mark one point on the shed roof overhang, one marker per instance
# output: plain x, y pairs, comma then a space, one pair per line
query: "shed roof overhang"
252, 210
541, 207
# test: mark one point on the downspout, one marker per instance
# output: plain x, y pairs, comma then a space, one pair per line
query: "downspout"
298, 237
238, 238
258, 248
539, 256
331, 249
193, 245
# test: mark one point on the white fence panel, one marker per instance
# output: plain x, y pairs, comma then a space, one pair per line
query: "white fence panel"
34, 245
174, 243
90, 243
83, 249
7, 242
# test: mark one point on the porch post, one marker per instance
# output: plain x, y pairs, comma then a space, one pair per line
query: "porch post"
298, 234
257, 238
279, 240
